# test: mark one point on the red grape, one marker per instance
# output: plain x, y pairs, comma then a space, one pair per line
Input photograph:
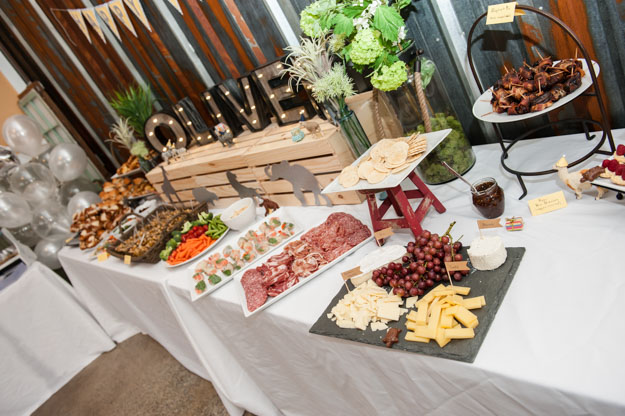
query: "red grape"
410, 250
404, 271
401, 292
436, 261
432, 251
457, 246
428, 257
457, 276
430, 244
438, 245
411, 244
383, 270
405, 259
393, 283
421, 284
447, 248
438, 278
413, 266
395, 289
431, 274
437, 268
417, 250
444, 239
379, 281
443, 271
464, 272
426, 234
376, 273
434, 237
423, 241
408, 285
414, 291
440, 255
421, 256
421, 269
429, 282
414, 277
429, 265
458, 257
447, 259
420, 292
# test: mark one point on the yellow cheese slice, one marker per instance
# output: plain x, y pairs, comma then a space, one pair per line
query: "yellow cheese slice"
474, 303
410, 336
461, 290
459, 333
421, 317
464, 316
446, 321
412, 316
425, 332
440, 337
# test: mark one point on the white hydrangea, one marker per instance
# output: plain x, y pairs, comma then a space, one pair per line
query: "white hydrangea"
401, 35
361, 23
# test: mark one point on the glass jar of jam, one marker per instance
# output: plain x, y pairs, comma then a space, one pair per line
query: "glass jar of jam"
489, 199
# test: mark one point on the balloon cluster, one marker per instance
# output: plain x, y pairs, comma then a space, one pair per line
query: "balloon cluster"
32, 204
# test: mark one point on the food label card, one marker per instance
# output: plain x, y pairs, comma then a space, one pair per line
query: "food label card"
127, 259
500, 13
382, 234
492, 223
456, 266
103, 256
351, 273
547, 203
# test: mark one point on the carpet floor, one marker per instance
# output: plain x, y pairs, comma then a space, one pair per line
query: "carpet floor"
138, 377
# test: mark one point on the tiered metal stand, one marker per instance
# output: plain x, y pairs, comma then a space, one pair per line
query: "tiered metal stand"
603, 124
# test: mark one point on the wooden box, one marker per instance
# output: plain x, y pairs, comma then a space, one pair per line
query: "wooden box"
324, 155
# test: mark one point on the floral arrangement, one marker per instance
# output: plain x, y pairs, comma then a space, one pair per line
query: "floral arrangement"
367, 33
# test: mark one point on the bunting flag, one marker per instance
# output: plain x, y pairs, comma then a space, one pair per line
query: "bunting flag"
117, 7
137, 9
77, 16
176, 5
89, 15
106, 16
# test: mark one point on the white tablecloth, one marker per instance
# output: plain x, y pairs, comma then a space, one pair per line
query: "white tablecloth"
46, 337
553, 348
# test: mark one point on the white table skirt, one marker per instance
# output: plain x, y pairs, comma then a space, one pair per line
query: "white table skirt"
553, 348
46, 337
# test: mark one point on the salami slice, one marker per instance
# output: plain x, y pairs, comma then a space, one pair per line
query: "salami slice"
281, 287
255, 293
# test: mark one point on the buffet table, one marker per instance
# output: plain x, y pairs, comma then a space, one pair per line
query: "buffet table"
553, 348
46, 338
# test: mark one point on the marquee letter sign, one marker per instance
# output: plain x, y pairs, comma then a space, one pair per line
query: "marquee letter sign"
248, 106
164, 121
199, 132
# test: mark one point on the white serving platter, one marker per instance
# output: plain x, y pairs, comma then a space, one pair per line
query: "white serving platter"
606, 183
129, 173
282, 215
483, 110
197, 256
433, 139
271, 300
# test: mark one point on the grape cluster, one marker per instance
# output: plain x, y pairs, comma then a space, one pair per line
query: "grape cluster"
422, 266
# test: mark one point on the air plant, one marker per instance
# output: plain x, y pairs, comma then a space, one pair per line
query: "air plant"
122, 133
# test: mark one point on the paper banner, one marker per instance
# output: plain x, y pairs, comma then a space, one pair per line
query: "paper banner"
118, 9
77, 16
106, 16
176, 5
89, 15
137, 9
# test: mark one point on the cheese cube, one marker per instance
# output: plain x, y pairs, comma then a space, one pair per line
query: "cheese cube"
461, 290
446, 321
410, 336
459, 333
451, 310
474, 303
464, 316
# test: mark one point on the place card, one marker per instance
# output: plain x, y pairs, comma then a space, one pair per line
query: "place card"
127, 259
501, 13
351, 273
547, 203
492, 223
456, 266
103, 256
382, 234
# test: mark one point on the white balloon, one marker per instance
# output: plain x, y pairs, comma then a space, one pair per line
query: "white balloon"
47, 251
81, 201
67, 161
71, 188
25, 235
23, 135
14, 210
33, 181
50, 220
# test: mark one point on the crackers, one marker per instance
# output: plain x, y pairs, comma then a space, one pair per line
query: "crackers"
388, 156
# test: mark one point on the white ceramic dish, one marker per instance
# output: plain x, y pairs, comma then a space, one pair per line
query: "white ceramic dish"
280, 213
606, 183
197, 256
394, 179
271, 300
244, 218
483, 110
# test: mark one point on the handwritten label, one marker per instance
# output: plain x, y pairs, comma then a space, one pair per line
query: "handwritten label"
492, 223
456, 266
103, 256
500, 13
127, 259
382, 234
351, 273
547, 203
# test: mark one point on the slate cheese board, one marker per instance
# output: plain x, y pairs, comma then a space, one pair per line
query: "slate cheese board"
492, 284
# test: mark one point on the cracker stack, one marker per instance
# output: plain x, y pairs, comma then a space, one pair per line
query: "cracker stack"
386, 157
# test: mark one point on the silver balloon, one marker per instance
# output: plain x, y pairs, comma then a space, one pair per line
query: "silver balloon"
33, 181
71, 188
67, 161
23, 135
50, 220
14, 210
25, 235
81, 201
47, 251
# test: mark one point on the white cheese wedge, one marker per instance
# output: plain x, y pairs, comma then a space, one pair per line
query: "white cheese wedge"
487, 253
380, 257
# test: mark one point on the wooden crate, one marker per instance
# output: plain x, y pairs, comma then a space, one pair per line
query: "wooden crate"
206, 166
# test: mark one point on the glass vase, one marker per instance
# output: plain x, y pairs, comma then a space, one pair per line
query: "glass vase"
455, 149
354, 134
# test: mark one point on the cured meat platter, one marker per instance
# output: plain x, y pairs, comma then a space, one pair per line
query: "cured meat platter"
493, 285
301, 260
242, 250
393, 179
483, 110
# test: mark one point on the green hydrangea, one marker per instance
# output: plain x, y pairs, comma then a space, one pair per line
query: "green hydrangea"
310, 17
139, 149
389, 78
336, 42
366, 47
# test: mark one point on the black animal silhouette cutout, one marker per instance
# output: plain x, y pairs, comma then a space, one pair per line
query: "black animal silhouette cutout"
168, 188
301, 179
242, 190
202, 195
